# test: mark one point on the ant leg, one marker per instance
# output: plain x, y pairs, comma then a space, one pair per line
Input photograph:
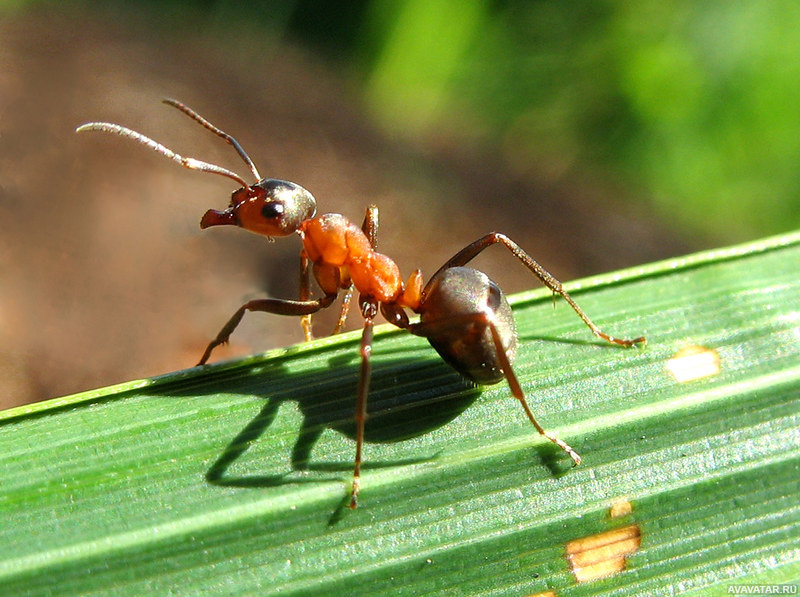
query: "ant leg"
305, 320
516, 391
369, 309
305, 293
275, 306
345, 309
370, 228
472, 250
429, 329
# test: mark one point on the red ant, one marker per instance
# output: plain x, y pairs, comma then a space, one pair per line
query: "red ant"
463, 314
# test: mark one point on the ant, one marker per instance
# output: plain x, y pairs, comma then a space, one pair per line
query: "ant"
462, 313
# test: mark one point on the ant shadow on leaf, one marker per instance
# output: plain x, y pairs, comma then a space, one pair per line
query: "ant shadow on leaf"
402, 404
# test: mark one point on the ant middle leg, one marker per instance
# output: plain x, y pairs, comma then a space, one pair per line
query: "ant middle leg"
473, 249
275, 306
369, 310
370, 226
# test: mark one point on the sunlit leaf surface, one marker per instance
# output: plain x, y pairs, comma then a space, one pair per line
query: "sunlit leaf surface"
233, 479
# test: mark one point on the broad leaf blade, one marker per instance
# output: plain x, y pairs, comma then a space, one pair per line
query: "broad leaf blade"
184, 483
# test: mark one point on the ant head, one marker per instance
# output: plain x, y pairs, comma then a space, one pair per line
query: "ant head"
270, 208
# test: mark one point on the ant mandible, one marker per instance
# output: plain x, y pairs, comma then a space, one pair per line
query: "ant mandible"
463, 314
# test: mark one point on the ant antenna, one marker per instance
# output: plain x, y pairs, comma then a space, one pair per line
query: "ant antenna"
220, 133
190, 163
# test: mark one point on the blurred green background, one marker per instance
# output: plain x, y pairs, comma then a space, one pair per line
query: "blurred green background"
598, 135
692, 107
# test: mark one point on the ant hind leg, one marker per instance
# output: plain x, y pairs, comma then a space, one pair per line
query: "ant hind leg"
516, 391
473, 249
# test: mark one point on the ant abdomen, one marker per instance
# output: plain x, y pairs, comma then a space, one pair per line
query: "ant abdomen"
460, 307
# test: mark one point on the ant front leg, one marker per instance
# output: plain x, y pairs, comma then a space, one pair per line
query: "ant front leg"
275, 306
369, 309
305, 293
472, 250
344, 311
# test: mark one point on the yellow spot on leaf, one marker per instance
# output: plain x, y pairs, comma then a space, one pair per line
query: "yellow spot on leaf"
620, 509
598, 556
693, 362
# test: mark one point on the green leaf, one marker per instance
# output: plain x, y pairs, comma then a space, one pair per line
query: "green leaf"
184, 484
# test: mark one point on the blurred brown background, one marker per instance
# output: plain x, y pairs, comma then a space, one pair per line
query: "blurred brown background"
104, 273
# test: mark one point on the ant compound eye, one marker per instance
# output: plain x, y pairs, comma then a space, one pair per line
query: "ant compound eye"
272, 210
